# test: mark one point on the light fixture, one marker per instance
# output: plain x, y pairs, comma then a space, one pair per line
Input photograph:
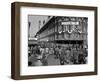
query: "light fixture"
60, 32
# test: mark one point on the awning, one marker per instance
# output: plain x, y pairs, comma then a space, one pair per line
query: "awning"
69, 41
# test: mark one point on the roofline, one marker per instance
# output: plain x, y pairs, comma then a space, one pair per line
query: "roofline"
44, 26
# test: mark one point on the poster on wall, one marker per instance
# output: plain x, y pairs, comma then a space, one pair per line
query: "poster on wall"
50, 40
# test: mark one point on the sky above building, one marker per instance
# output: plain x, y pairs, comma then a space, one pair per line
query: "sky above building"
34, 23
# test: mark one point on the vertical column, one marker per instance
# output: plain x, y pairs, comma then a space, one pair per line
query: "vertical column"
39, 29
29, 24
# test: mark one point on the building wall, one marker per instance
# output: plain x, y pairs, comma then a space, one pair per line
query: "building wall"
46, 33
55, 30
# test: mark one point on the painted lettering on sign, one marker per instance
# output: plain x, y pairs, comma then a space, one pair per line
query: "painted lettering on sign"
69, 23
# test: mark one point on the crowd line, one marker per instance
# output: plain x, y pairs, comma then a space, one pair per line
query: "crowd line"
75, 54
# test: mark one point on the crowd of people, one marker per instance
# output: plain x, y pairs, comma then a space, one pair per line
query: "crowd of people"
66, 54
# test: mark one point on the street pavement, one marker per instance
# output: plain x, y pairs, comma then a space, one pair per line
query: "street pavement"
52, 61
